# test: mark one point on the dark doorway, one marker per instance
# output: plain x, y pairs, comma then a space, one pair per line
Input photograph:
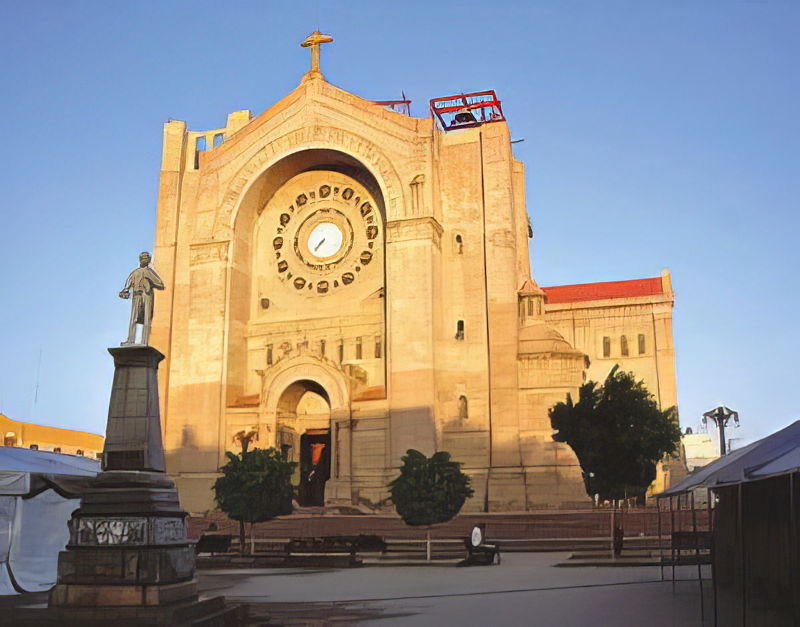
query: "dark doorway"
315, 466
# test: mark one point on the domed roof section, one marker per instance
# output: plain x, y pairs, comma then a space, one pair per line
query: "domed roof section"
531, 288
541, 338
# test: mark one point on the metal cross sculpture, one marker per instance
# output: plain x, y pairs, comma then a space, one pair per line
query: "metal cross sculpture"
314, 41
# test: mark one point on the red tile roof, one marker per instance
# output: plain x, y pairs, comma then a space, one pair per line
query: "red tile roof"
601, 291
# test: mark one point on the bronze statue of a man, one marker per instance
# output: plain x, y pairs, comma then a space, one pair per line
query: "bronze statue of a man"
141, 283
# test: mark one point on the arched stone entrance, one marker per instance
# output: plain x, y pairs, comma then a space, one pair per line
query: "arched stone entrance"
304, 434
304, 401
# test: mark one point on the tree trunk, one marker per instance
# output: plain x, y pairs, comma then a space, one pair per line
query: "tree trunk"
428, 546
241, 537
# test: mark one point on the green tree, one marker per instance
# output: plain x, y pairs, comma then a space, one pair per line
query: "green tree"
618, 433
255, 486
429, 490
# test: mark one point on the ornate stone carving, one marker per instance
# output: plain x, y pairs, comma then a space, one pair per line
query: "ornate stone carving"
107, 530
127, 531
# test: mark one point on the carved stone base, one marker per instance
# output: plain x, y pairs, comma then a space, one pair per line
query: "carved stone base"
128, 545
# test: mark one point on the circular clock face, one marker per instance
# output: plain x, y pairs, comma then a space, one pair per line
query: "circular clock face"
325, 231
325, 240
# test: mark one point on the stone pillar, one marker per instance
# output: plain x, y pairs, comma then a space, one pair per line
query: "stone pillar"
133, 431
128, 544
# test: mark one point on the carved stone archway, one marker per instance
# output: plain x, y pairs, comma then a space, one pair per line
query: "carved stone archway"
314, 137
308, 442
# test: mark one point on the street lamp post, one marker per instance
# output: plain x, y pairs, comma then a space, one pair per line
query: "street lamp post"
720, 417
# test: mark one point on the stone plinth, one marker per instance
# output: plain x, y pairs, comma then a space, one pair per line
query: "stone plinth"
133, 431
128, 544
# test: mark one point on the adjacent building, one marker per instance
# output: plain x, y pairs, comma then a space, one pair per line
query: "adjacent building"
43, 438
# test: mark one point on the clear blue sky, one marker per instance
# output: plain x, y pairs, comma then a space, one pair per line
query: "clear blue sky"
660, 133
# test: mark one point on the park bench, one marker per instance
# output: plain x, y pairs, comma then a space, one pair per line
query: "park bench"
213, 543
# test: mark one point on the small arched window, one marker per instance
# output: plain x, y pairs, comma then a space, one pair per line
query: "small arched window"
623, 346
79, 451
606, 346
34, 447
460, 330
57, 449
463, 409
459, 244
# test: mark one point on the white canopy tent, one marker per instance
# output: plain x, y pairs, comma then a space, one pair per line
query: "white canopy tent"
39, 491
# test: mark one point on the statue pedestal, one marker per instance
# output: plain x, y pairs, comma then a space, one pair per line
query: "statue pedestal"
128, 545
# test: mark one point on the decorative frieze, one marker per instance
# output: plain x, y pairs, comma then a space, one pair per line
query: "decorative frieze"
127, 531
209, 252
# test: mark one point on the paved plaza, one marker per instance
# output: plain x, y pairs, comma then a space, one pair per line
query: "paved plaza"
525, 589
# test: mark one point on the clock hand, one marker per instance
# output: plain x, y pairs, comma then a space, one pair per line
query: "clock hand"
318, 245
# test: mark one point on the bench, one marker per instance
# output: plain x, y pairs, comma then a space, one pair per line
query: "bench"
213, 543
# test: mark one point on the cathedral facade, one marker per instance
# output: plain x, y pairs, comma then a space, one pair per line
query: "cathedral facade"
346, 282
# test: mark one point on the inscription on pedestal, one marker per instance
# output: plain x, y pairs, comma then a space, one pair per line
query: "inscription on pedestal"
114, 531
128, 531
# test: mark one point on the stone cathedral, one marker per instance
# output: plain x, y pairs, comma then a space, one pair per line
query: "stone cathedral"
345, 282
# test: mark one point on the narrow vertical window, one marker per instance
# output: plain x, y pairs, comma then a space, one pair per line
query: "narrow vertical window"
606, 346
530, 306
460, 330
463, 408
322, 348
459, 244
200, 146
269, 354
218, 139
538, 306
623, 346
641, 344
358, 348
341, 351
378, 348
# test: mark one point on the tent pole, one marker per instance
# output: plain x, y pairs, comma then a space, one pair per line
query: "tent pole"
793, 556
713, 553
697, 557
660, 547
672, 536
741, 551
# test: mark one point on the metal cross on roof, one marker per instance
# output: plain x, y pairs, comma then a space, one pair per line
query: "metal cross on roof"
314, 41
